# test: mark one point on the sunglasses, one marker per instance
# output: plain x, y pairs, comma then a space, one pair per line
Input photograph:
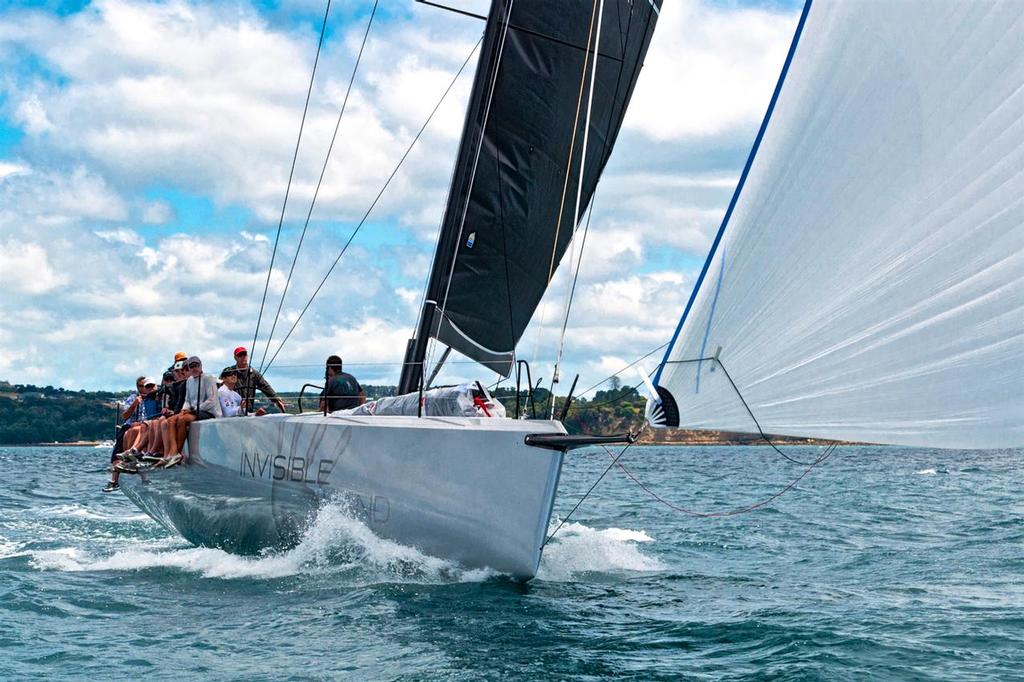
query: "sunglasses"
241, 355
195, 364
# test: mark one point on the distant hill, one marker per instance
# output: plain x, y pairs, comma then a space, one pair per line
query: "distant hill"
34, 414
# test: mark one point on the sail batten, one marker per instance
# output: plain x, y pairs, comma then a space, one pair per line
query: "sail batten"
874, 285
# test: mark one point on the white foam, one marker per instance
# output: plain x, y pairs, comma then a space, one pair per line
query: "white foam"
335, 542
82, 511
339, 543
925, 472
9, 548
61, 559
577, 548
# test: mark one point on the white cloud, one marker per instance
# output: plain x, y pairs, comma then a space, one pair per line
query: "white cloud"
255, 237
206, 99
31, 113
709, 70
157, 213
209, 98
8, 168
25, 269
120, 236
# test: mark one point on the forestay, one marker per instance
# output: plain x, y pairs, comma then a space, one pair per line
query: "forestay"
867, 282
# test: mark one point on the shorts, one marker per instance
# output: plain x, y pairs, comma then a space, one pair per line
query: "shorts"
205, 414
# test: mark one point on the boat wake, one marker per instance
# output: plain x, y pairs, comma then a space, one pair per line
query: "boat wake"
578, 549
341, 546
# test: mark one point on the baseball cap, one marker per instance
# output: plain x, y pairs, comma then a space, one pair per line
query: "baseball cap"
195, 359
240, 350
179, 356
149, 380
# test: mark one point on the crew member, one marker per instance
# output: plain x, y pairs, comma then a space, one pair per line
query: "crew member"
249, 379
200, 403
342, 391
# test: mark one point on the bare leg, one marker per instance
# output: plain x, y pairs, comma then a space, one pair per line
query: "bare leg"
154, 443
168, 434
181, 430
131, 437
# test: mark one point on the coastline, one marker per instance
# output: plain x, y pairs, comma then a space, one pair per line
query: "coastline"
70, 444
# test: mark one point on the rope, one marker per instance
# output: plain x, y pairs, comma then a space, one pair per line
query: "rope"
612, 376
571, 289
319, 182
291, 174
586, 494
757, 423
732, 512
372, 205
831, 448
572, 146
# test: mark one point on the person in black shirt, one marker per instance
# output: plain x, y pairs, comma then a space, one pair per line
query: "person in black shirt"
175, 401
342, 391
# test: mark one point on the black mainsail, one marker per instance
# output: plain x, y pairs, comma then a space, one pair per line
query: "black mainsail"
512, 205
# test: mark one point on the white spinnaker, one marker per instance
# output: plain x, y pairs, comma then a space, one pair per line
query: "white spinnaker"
869, 284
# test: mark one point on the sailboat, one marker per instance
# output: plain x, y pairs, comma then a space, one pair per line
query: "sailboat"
551, 89
866, 283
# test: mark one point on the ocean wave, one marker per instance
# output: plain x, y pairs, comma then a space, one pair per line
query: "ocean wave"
577, 549
335, 542
338, 543
82, 511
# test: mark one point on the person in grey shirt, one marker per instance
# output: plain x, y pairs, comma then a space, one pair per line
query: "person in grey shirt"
249, 380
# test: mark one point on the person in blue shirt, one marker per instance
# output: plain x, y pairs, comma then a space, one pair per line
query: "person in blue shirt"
139, 407
128, 417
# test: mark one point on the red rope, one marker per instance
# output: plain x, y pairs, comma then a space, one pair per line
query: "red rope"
732, 512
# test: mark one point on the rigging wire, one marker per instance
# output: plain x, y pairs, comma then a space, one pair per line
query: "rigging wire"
373, 204
639, 359
571, 288
572, 145
319, 182
429, 354
757, 423
291, 174
624, 36
586, 494
615, 461
731, 512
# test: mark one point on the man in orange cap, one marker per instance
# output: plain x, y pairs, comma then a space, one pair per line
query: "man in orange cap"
250, 379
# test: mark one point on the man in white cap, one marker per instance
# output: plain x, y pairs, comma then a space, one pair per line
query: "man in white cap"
200, 403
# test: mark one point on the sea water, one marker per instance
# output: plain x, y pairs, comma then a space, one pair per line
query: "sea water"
882, 563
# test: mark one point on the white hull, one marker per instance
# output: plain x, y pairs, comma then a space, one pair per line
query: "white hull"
460, 488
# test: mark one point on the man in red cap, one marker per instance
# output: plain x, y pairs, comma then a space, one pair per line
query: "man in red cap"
250, 379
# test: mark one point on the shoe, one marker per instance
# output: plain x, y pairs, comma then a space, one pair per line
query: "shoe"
111, 487
171, 461
150, 457
127, 467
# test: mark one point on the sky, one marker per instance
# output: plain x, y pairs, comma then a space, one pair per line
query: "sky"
145, 150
